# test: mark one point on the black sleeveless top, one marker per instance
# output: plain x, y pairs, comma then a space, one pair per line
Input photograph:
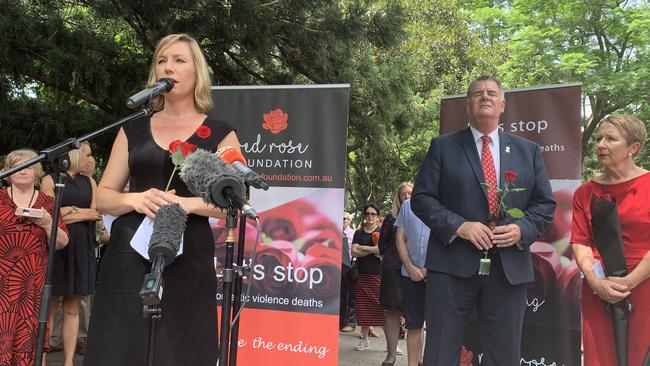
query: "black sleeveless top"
187, 331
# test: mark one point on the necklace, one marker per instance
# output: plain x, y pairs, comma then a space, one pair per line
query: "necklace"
31, 200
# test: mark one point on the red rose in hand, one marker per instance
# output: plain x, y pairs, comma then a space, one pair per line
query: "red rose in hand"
178, 151
466, 357
277, 253
173, 146
375, 238
328, 261
510, 176
275, 121
203, 132
186, 147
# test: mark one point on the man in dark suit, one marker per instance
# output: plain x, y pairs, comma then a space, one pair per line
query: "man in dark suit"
448, 197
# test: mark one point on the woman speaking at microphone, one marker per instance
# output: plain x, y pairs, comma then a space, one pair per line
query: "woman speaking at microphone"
187, 332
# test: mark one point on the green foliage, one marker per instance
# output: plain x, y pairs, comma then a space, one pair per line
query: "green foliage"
66, 66
603, 44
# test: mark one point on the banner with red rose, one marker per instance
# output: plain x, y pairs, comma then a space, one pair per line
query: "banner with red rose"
295, 138
549, 116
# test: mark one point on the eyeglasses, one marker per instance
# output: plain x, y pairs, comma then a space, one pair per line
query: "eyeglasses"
368, 214
346, 218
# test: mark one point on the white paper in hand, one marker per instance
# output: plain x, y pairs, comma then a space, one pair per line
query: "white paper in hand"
141, 238
598, 270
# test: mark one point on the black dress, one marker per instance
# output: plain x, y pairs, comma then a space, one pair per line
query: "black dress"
390, 293
75, 265
187, 332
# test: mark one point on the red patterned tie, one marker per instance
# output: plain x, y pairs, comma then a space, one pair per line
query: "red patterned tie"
487, 162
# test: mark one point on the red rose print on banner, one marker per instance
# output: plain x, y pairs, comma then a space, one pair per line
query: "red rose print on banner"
327, 237
203, 132
561, 226
328, 260
219, 233
300, 252
569, 286
286, 222
275, 121
277, 253
317, 221
546, 266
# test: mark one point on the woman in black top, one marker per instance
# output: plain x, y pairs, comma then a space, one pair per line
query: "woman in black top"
365, 249
390, 294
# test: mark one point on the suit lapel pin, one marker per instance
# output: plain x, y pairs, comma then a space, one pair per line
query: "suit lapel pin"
508, 149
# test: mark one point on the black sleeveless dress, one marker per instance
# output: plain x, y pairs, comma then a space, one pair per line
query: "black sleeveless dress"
75, 265
187, 332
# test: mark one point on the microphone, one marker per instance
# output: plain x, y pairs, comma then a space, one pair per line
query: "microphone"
161, 86
209, 177
235, 158
168, 229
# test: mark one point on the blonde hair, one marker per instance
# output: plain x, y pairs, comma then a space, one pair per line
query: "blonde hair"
202, 92
632, 129
397, 204
15, 156
75, 156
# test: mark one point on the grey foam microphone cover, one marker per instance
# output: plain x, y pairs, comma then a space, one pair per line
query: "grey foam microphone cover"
168, 229
202, 169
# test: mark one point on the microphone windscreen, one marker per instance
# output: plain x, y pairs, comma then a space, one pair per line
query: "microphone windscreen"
168, 229
202, 169
231, 155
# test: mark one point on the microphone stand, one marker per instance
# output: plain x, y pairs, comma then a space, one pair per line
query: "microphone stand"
150, 294
57, 155
234, 335
228, 274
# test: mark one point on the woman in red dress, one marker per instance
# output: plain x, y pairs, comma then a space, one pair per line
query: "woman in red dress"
618, 141
23, 257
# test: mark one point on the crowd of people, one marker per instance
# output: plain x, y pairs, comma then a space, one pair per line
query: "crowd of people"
457, 252
444, 249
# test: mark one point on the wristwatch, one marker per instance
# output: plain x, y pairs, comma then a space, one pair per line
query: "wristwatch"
75, 209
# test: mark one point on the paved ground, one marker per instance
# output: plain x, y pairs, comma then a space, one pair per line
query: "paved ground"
347, 355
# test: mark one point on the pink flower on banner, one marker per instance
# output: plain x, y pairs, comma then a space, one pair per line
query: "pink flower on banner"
328, 261
277, 253
547, 265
